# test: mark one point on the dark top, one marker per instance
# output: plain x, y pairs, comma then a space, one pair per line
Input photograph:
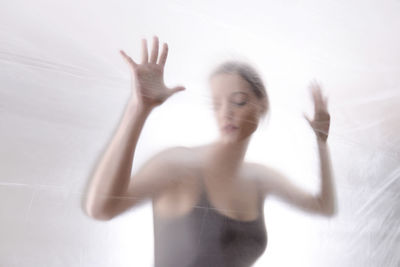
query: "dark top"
206, 238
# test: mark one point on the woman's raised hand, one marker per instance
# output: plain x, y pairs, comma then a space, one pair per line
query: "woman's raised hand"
148, 88
321, 121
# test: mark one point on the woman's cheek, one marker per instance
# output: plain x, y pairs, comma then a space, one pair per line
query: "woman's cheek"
249, 123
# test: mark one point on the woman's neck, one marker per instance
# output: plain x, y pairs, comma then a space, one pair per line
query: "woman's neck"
227, 158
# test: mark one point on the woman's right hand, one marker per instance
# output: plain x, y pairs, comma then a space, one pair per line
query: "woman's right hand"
148, 88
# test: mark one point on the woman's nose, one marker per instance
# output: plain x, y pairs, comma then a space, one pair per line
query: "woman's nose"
227, 111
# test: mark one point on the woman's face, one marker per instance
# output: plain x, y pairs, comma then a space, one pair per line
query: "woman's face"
236, 106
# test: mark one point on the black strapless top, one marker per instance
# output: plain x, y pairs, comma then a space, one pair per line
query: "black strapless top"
206, 238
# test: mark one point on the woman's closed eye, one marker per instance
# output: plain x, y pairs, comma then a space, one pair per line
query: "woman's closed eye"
242, 103
236, 103
239, 98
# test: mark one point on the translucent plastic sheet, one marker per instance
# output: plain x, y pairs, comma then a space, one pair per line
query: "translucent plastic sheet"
64, 86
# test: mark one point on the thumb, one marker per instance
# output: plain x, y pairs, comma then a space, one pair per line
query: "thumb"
176, 89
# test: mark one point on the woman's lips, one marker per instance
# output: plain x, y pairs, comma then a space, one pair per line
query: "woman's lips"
230, 128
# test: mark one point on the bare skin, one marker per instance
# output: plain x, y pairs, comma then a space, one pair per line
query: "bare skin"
172, 178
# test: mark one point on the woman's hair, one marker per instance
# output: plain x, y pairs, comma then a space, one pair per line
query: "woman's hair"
249, 74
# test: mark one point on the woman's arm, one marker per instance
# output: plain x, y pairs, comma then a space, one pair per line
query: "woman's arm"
112, 173
327, 196
273, 182
111, 177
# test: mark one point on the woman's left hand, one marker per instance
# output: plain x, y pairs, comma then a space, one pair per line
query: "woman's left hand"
321, 121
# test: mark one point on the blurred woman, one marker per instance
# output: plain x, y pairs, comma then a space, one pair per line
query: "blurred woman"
207, 201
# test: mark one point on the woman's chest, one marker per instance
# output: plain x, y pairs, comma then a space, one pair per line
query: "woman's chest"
234, 197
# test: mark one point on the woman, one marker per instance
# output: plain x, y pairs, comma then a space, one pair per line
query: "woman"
207, 202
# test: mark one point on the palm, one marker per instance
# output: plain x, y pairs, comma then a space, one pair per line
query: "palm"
321, 121
149, 83
148, 86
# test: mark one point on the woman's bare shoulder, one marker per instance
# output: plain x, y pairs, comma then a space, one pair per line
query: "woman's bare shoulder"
172, 154
181, 156
256, 171
253, 169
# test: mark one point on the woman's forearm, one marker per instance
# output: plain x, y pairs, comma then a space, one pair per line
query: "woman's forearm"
111, 175
327, 193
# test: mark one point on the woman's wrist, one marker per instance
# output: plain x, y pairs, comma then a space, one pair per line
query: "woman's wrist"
135, 106
322, 141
